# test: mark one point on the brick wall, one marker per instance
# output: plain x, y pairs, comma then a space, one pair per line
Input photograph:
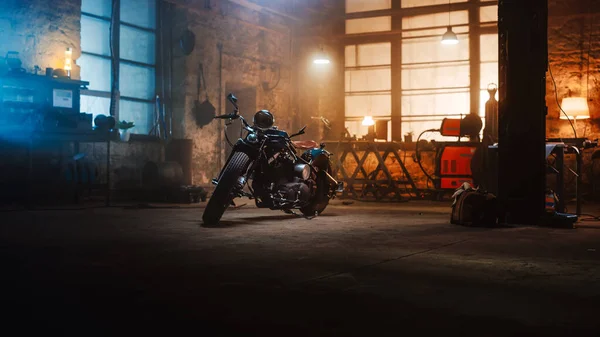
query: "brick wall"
570, 45
259, 49
41, 32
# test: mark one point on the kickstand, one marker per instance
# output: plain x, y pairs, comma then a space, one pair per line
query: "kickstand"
289, 211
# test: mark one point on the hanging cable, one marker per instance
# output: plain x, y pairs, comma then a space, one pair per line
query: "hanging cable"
113, 59
587, 86
418, 156
558, 103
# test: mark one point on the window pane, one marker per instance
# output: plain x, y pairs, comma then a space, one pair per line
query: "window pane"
137, 81
489, 47
95, 35
97, 7
142, 114
368, 80
95, 105
356, 128
350, 56
489, 74
435, 31
368, 105
419, 3
139, 12
431, 50
434, 20
367, 25
374, 54
137, 45
443, 104
488, 14
95, 70
417, 127
440, 76
353, 6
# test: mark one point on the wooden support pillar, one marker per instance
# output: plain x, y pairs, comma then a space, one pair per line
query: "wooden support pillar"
523, 60
396, 43
474, 56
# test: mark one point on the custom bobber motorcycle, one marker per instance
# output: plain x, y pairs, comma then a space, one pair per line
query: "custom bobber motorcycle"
266, 161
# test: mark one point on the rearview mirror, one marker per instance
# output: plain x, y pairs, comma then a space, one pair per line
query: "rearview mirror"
232, 98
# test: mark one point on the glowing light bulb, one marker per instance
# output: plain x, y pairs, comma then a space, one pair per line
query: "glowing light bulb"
68, 61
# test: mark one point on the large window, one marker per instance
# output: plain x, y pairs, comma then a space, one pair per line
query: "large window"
368, 84
435, 77
135, 59
434, 81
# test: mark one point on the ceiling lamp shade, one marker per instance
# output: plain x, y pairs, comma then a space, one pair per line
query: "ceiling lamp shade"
321, 58
368, 121
575, 108
449, 37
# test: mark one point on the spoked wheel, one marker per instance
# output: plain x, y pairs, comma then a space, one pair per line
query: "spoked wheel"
223, 194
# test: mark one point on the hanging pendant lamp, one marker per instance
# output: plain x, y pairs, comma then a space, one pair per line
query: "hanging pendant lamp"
449, 36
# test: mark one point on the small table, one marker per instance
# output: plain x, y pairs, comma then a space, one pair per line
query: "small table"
59, 136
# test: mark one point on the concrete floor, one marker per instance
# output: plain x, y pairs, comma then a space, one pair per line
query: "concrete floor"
362, 269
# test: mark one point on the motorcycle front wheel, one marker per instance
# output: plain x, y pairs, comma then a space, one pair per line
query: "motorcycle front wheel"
223, 193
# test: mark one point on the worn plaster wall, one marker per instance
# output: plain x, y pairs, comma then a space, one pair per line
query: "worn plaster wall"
256, 54
41, 32
574, 57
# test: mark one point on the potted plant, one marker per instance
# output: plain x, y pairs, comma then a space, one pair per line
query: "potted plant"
124, 127
408, 137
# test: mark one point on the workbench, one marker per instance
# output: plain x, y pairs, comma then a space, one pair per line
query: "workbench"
362, 184
75, 137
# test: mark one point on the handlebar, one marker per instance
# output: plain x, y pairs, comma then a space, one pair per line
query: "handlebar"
227, 116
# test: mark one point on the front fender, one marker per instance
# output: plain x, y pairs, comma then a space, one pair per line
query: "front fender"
319, 158
241, 146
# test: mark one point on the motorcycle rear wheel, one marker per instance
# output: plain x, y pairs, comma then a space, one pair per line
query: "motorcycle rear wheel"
321, 199
222, 195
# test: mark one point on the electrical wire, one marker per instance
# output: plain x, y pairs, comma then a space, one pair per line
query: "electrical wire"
418, 157
558, 103
113, 87
587, 86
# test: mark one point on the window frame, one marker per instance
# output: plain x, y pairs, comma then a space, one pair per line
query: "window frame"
476, 29
119, 60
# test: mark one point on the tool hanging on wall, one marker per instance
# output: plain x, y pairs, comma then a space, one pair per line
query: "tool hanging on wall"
203, 112
159, 129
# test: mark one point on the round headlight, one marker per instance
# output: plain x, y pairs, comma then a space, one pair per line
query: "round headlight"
264, 119
302, 171
252, 138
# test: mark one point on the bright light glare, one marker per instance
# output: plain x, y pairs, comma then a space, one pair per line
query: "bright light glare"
449, 41
321, 61
368, 121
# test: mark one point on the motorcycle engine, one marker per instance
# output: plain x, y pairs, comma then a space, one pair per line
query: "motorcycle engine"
293, 191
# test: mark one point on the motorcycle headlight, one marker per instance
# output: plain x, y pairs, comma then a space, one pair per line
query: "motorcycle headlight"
252, 138
302, 171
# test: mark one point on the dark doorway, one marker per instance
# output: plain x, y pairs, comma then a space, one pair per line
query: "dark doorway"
247, 102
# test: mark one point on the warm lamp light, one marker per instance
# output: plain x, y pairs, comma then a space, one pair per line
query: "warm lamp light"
321, 58
575, 108
368, 121
68, 60
449, 37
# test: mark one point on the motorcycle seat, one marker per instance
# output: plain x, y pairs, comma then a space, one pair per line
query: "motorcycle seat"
305, 144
